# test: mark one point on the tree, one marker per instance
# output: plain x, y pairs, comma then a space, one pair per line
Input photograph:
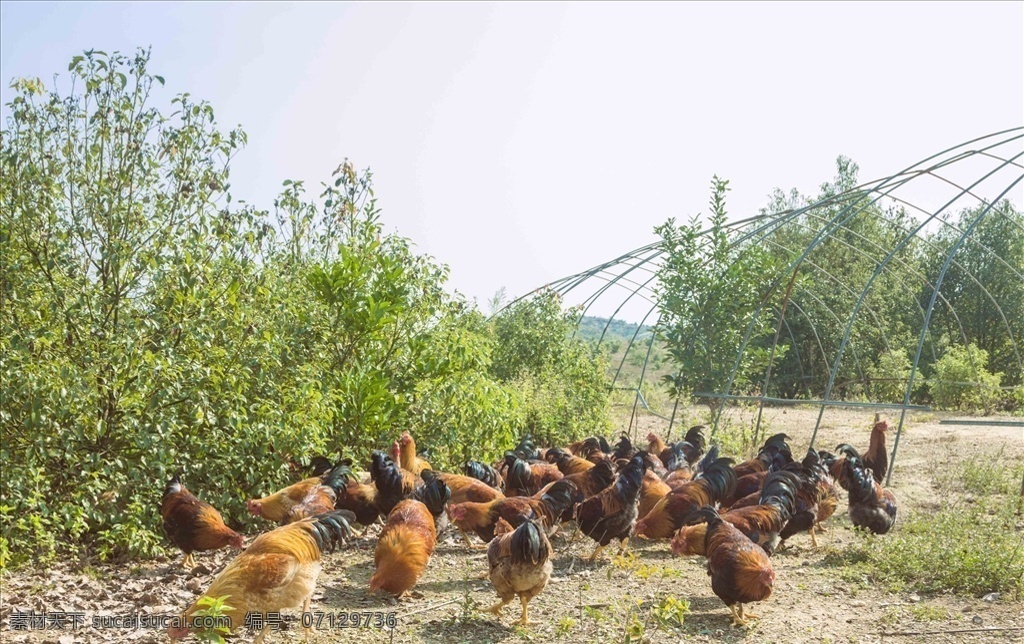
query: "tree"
984, 284
711, 289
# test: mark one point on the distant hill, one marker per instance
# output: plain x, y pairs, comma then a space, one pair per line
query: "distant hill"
590, 328
626, 367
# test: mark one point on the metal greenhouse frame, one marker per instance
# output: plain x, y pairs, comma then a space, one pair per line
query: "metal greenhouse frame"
976, 174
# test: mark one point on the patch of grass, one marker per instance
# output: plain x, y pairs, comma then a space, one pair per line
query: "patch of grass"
739, 437
596, 614
627, 562
630, 563
467, 607
92, 573
671, 612
890, 615
565, 626
988, 475
962, 550
839, 557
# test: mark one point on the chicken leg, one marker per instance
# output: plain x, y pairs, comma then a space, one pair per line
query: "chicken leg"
523, 620
625, 547
305, 609
496, 609
814, 540
262, 634
474, 546
596, 552
189, 562
737, 619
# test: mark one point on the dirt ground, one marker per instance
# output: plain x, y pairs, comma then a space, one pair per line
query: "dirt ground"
599, 602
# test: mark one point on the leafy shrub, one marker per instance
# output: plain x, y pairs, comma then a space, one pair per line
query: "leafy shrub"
962, 382
671, 612
561, 379
156, 326
889, 375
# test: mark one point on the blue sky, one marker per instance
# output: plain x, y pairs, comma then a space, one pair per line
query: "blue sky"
520, 143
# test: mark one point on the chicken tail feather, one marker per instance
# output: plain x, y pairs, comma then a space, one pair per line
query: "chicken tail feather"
528, 545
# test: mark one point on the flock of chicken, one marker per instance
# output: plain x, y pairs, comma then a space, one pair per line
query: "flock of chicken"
734, 515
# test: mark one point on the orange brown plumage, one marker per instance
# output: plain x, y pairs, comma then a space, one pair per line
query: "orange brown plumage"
193, 525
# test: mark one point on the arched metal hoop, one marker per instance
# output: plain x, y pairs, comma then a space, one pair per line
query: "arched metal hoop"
974, 175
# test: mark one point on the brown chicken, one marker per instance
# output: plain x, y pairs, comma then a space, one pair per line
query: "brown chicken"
761, 523
520, 563
772, 456
525, 479
745, 486
828, 496
277, 571
655, 445
624, 449
408, 457
358, 497
590, 482
714, 482
567, 463
746, 501
654, 464
877, 458
586, 484
589, 446
740, 571
462, 489
611, 514
679, 478
547, 507
810, 495
406, 544
652, 490
309, 497
835, 465
686, 452
193, 525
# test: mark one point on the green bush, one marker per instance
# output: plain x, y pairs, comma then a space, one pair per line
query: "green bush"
962, 382
151, 325
560, 377
889, 375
